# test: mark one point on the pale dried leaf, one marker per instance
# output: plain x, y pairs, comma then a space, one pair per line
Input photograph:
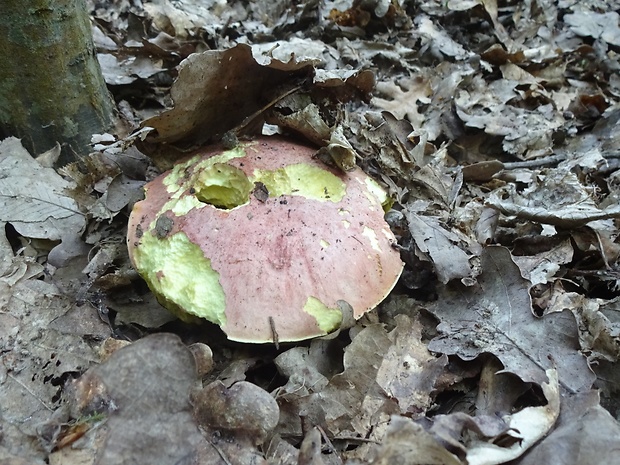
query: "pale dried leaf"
489, 107
586, 434
441, 246
408, 442
558, 199
403, 98
33, 198
439, 40
542, 267
409, 371
340, 150
530, 425
353, 401
604, 26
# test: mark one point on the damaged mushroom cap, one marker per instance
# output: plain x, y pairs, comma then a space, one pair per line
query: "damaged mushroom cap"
264, 241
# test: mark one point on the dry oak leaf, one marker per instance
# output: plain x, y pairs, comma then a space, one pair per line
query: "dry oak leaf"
33, 198
409, 371
440, 245
496, 317
403, 97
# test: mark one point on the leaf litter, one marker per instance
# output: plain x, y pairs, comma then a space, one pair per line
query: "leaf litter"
493, 126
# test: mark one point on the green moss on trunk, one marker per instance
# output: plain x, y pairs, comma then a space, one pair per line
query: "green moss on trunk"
51, 87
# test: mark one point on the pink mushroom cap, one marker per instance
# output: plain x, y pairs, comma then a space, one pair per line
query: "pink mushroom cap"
265, 241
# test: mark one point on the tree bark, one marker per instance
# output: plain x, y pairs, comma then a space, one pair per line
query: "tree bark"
51, 86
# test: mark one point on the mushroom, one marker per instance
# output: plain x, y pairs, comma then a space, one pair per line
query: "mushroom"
264, 241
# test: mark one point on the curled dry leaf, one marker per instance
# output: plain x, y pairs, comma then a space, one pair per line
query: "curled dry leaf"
407, 441
542, 267
585, 434
216, 91
224, 90
527, 427
441, 246
203, 357
458, 438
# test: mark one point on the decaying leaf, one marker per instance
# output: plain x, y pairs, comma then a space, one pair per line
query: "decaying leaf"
408, 372
527, 427
599, 329
525, 133
409, 442
34, 199
496, 316
43, 336
384, 373
542, 267
560, 200
586, 434
230, 90
441, 245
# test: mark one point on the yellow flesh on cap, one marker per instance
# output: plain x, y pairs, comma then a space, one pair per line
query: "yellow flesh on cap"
181, 277
304, 180
328, 319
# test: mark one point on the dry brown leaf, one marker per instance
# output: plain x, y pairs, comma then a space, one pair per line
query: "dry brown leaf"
438, 40
408, 442
224, 90
353, 402
441, 246
496, 317
408, 372
557, 198
586, 434
216, 91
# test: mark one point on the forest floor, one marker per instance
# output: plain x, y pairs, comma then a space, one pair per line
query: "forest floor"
494, 128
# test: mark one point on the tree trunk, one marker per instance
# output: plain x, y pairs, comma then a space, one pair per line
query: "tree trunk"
51, 86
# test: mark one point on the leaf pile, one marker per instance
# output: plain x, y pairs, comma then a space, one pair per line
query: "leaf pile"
494, 127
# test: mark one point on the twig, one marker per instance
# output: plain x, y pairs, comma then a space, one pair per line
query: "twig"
543, 161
